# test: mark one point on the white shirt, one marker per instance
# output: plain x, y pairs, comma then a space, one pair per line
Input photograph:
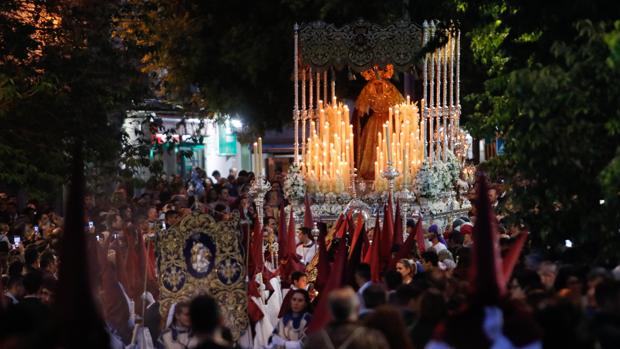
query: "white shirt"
439, 247
360, 292
306, 252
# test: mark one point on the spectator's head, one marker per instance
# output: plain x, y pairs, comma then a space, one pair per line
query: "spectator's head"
429, 260
224, 194
151, 214
48, 262
271, 223
304, 235
31, 257
115, 221
410, 226
406, 268
493, 195
374, 296
409, 296
205, 315
547, 272
389, 321
181, 315
607, 296
48, 290
15, 268
432, 306
343, 304
392, 279
32, 283
212, 195
216, 174
299, 279
300, 301
220, 213
15, 286
172, 217
362, 274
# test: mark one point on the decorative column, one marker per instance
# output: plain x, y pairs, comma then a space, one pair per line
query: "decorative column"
445, 112
333, 83
325, 96
458, 80
438, 109
452, 111
318, 96
431, 100
424, 104
304, 112
310, 90
296, 87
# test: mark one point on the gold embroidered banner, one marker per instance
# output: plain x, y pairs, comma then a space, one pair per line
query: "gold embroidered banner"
201, 256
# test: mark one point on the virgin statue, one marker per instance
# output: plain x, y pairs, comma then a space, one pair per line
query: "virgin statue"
371, 112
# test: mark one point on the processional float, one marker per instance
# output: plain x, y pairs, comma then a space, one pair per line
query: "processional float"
414, 151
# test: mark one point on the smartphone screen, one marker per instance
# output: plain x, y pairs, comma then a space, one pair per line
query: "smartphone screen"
163, 225
36, 228
17, 240
98, 238
91, 224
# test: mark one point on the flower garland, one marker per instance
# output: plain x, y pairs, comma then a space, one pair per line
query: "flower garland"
294, 184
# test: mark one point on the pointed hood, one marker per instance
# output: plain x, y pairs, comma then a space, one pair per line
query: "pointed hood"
512, 256
397, 240
75, 304
487, 279
406, 250
321, 316
355, 251
282, 233
419, 236
387, 234
256, 259
375, 260
323, 264
291, 246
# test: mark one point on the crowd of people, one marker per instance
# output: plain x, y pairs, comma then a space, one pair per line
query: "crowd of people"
551, 299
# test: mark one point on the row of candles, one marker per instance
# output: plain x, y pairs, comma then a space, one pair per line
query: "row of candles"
329, 150
328, 160
401, 143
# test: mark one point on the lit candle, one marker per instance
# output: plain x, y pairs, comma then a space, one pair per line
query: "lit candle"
387, 142
255, 167
405, 165
260, 155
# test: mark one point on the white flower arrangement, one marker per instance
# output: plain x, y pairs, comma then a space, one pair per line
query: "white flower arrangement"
294, 184
454, 167
442, 175
427, 183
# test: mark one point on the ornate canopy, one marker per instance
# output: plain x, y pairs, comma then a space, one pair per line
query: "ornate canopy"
360, 45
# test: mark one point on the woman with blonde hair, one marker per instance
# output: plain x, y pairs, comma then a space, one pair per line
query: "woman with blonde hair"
407, 268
